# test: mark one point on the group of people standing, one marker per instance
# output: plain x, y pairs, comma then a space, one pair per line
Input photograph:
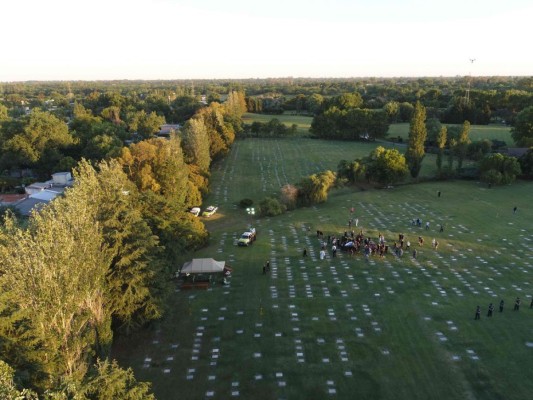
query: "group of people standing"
490, 310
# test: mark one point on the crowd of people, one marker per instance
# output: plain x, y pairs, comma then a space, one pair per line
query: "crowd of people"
357, 243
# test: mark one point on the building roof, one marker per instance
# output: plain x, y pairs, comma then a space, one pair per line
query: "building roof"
11, 198
27, 205
45, 195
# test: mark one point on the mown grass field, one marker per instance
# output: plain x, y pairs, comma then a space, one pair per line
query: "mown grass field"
346, 328
477, 132
303, 122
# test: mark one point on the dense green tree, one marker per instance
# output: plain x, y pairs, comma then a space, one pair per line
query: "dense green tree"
39, 145
196, 144
270, 207
433, 128
348, 101
406, 111
314, 103
157, 165
351, 171
392, 109
314, 188
8, 390
184, 107
53, 277
221, 134
477, 150
145, 124
440, 140
135, 278
234, 108
463, 141
526, 163
522, 131
112, 382
498, 169
4, 116
417, 137
385, 166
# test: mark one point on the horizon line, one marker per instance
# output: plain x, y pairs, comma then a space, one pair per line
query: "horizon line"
265, 78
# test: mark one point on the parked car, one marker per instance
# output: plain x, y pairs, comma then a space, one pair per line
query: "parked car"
195, 211
209, 211
247, 238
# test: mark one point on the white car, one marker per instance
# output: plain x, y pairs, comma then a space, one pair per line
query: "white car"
195, 211
209, 211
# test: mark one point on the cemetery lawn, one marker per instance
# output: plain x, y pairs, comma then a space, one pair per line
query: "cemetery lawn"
346, 328
477, 132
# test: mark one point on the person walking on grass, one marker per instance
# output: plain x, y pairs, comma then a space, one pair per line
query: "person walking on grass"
491, 309
478, 313
501, 305
517, 304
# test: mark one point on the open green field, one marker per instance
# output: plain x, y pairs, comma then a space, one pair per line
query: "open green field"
303, 122
477, 132
347, 328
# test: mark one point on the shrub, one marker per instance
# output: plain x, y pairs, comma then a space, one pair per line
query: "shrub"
270, 207
244, 203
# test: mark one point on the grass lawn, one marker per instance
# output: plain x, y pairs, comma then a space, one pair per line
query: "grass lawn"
347, 328
477, 132
303, 122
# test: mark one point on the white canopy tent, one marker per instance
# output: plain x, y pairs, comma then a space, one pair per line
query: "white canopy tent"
203, 266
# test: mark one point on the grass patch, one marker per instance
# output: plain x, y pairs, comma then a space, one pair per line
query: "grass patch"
477, 132
393, 328
302, 122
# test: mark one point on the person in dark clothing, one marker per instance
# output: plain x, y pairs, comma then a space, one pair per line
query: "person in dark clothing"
491, 309
531, 305
305, 253
517, 304
514, 209
478, 313
267, 266
501, 305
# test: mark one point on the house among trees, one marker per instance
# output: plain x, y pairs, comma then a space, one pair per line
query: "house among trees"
41, 193
167, 129
516, 152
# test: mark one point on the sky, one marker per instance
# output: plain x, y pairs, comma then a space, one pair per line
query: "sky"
230, 39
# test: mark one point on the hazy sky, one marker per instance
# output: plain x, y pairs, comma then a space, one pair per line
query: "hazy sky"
183, 39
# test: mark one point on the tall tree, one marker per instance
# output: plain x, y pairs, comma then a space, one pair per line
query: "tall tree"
462, 144
522, 131
54, 275
136, 282
157, 165
417, 137
441, 144
196, 144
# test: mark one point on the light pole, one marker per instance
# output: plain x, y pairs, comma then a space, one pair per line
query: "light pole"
251, 213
